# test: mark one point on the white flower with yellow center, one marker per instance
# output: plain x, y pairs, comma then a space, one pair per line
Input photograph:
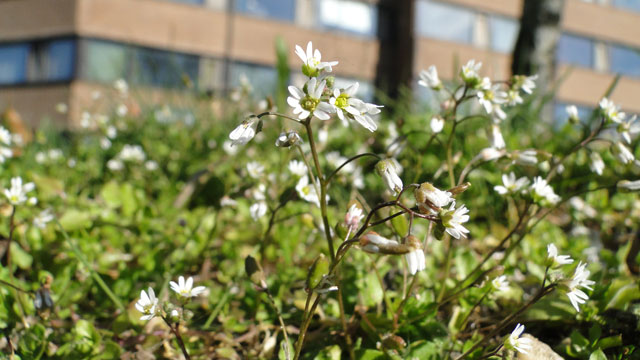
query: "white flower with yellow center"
312, 61
577, 296
542, 192
500, 283
555, 260
147, 304
611, 111
518, 343
309, 103
453, 218
307, 191
511, 185
17, 193
429, 78
491, 97
469, 73
343, 101
185, 288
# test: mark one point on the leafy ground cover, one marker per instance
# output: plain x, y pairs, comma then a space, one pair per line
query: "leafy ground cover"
321, 229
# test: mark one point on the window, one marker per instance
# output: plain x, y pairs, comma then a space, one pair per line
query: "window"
624, 60
195, 2
351, 16
275, 9
52, 60
104, 61
627, 4
13, 63
163, 68
445, 22
262, 79
575, 50
504, 33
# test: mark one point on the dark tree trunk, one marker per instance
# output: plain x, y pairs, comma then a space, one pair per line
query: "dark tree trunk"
535, 51
395, 33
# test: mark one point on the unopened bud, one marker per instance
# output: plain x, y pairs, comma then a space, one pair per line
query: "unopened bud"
288, 139
459, 189
254, 271
376, 244
317, 272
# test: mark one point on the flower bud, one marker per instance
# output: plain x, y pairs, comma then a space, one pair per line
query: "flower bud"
459, 189
431, 199
288, 139
387, 169
254, 271
373, 243
317, 272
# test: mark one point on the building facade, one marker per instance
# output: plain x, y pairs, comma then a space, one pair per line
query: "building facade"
60, 51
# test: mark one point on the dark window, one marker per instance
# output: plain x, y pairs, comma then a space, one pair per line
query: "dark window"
504, 32
351, 16
163, 68
105, 61
575, 50
52, 60
624, 60
275, 9
13, 63
262, 80
444, 22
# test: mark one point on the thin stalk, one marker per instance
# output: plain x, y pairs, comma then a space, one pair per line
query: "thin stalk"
93, 272
447, 268
176, 331
335, 172
347, 336
11, 229
304, 327
279, 315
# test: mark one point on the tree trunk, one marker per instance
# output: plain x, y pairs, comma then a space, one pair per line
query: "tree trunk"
535, 51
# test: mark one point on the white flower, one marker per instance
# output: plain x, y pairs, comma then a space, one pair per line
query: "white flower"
415, 261
469, 73
429, 197
121, 86
388, 171
133, 153
525, 157
349, 107
490, 97
105, 143
514, 98
147, 304
112, 132
436, 124
297, 168
511, 185
244, 132
43, 218
258, 210
115, 165
515, 342
611, 111
62, 108
366, 113
453, 218
373, 243
495, 137
122, 110
572, 112
307, 191
500, 283
429, 78
312, 61
151, 165
184, 288
543, 192
55, 154
597, 164
305, 105
353, 217
5, 153
555, 259
577, 296
288, 139
624, 128
17, 194
255, 169
629, 185
5, 136
490, 153
622, 153
525, 83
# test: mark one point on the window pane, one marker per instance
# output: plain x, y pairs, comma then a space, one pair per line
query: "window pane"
276, 9
624, 60
561, 117
58, 60
627, 4
262, 79
13, 63
198, 2
504, 33
444, 22
575, 50
105, 61
164, 69
351, 16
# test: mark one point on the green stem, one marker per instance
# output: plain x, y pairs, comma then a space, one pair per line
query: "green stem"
94, 274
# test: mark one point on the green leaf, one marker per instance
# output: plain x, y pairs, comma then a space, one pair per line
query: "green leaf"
598, 355
20, 257
624, 296
329, 353
110, 193
74, 219
400, 225
370, 289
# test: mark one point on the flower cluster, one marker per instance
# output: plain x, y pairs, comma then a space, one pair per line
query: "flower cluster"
148, 303
17, 193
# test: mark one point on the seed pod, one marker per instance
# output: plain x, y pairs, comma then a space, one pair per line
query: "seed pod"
376, 244
459, 189
317, 271
254, 271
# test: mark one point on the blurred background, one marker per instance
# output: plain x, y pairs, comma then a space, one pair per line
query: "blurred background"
68, 51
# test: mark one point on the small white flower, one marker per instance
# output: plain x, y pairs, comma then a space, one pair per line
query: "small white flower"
453, 218
147, 304
133, 153
624, 128
366, 113
121, 86
429, 197
525, 157
525, 83
115, 165
288, 139
5, 136
112, 132
353, 217
307, 104
258, 210
17, 194
500, 283
255, 169
43, 218
244, 132
436, 124
490, 153
518, 343
5, 153
495, 137
429, 78
511, 185
577, 296
388, 171
611, 111
297, 168
596, 164
307, 191
105, 143
555, 259
491, 97
373, 243
629, 185
469, 73
514, 98
55, 154
415, 261
622, 153
122, 110
572, 112
312, 61
151, 165
543, 192
185, 288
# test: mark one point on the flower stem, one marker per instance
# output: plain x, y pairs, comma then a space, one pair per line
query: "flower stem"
176, 331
